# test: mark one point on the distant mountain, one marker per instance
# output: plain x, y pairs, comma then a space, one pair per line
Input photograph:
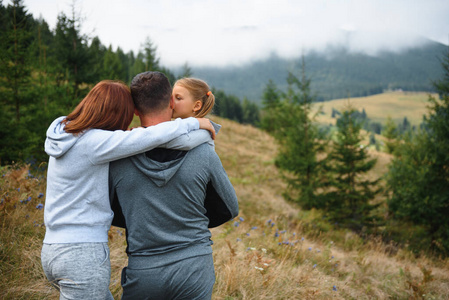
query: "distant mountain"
335, 73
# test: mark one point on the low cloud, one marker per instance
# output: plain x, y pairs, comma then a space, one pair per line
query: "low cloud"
203, 32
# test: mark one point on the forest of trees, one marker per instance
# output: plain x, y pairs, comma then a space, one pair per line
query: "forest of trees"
325, 169
335, 72
44, 73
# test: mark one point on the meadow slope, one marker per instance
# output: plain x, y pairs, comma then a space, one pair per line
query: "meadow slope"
272, 250
397, 105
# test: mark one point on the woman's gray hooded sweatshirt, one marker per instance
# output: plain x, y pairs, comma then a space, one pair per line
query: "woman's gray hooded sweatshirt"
77, 208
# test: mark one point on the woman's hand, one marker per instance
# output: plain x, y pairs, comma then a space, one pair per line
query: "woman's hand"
206, 124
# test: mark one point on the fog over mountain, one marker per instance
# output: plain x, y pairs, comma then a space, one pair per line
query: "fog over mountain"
233, 32
336, 72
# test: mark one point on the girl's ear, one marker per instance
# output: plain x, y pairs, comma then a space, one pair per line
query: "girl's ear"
136, 112
198, 105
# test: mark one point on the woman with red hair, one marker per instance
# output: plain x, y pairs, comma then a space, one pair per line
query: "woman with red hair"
75, 254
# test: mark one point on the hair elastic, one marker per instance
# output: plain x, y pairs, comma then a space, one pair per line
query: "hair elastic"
208, 93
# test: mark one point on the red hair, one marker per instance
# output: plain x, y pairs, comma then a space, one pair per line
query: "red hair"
107, 106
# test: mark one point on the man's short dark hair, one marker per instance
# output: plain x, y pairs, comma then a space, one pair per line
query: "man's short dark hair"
151, 91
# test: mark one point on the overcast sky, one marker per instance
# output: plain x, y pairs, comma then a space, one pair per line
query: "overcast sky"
219, 32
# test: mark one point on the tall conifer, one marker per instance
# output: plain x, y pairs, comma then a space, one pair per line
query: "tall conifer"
349, 194
390, 133
15, 75
301, 142
418, 177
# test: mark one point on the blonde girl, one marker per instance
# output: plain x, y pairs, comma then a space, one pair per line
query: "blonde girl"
192, 98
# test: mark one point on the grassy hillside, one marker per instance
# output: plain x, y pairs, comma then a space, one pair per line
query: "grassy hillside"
273, 250
397, 105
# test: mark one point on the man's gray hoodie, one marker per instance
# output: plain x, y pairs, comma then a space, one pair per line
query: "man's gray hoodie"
162, 193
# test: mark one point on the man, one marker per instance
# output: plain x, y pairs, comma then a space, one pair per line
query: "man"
162, 195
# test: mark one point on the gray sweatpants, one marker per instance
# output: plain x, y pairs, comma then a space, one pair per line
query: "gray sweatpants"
78, 271
189, 279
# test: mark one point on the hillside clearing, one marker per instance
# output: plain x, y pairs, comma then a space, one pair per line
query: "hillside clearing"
272, 250
397, 105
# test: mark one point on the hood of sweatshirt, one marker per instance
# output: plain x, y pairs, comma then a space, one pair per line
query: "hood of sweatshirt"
58, 142
159, 165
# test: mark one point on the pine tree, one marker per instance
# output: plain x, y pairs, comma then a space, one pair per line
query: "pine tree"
15, 56
112, 66
15, 76
406, 126
131, 59
271, 102
72, 54
97, 53
227, 106
442, 85
250, 112
300, 141
123, 59
349, 195
390, 133
138, 65
186, 71
150, 56
418, 176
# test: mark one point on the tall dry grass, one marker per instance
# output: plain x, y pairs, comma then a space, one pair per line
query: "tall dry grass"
273, 250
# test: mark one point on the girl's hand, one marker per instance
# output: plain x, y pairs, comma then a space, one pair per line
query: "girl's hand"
206, 124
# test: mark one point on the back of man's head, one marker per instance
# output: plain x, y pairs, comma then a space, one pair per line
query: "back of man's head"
151, 92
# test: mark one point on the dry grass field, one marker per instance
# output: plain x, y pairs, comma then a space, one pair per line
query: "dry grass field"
397, 105
272, 250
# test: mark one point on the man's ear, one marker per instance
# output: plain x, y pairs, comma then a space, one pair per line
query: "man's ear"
136, 112
198, 105
172, 102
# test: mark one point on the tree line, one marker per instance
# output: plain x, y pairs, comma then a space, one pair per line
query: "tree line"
327, 170
336, 72
45, 73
